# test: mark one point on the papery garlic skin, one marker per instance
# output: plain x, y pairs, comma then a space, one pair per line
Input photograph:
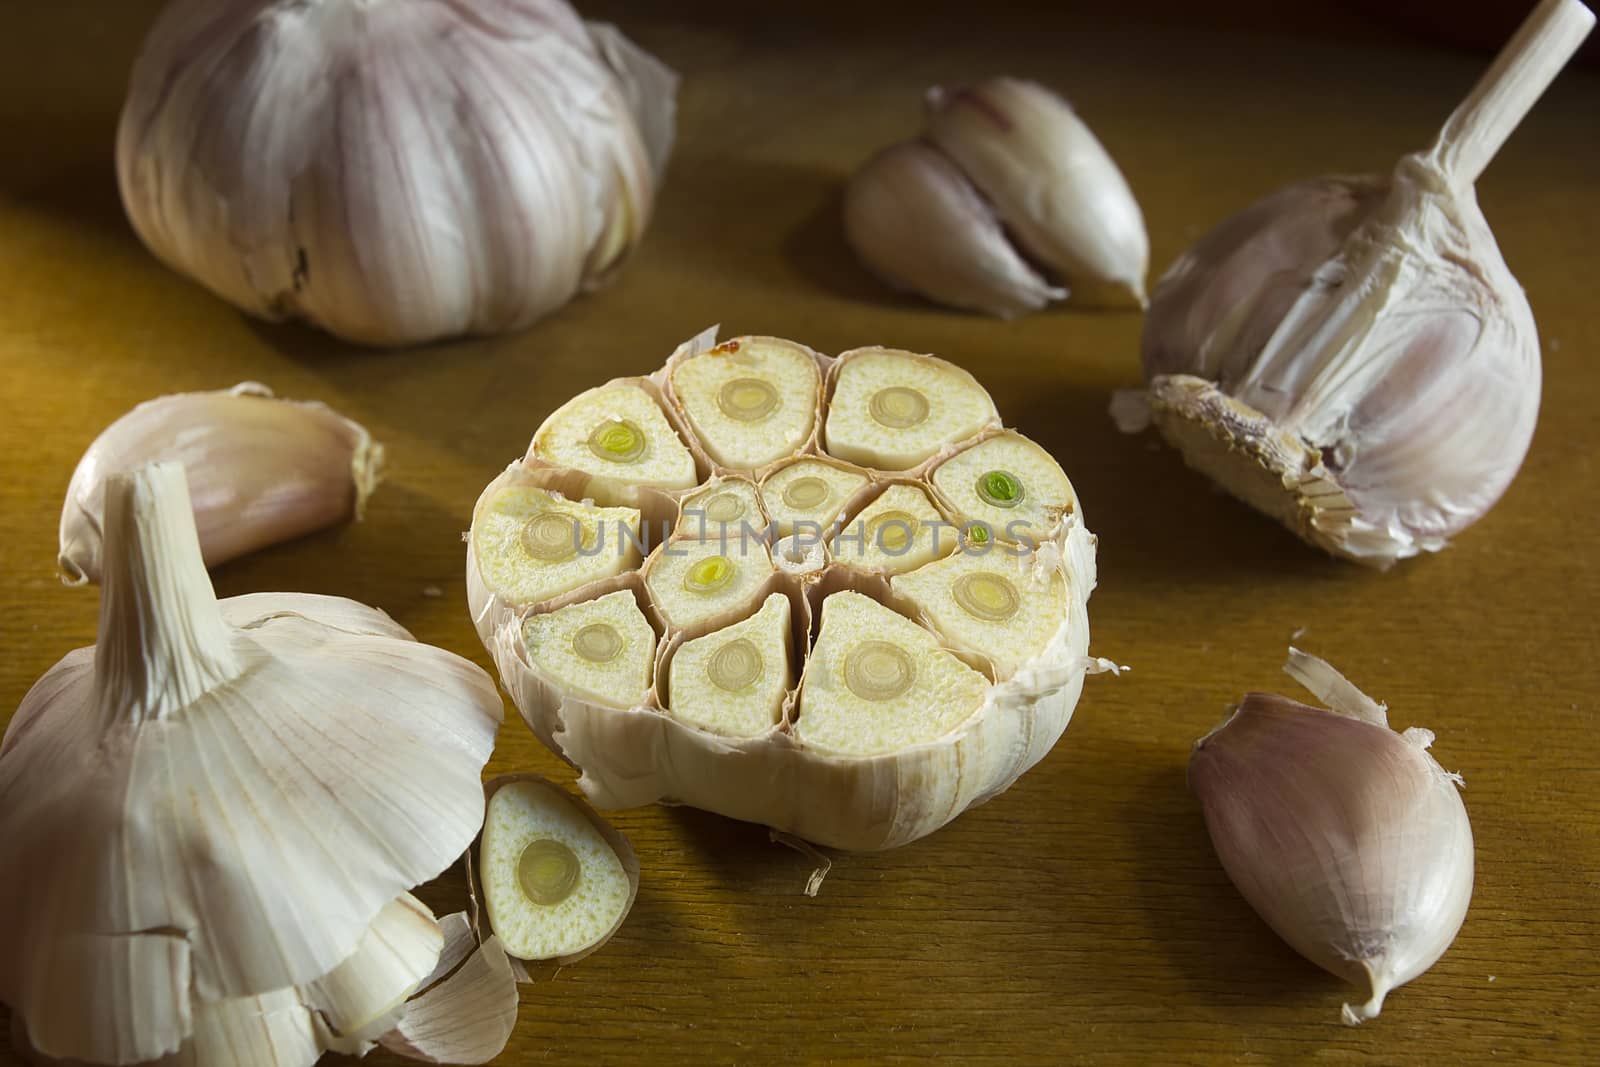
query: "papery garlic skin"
260, 471
1352, 356
393, 172
1345, 836
916, 221
215, 803
1051, 182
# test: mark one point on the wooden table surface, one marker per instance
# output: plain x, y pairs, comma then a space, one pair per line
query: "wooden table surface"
1081, 916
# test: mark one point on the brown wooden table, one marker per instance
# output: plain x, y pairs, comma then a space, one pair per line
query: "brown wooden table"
1081, 916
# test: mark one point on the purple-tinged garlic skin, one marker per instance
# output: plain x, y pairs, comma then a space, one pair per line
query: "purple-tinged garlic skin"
1346, 837
260, 470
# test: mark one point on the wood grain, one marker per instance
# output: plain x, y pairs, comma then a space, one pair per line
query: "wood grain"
1081, 917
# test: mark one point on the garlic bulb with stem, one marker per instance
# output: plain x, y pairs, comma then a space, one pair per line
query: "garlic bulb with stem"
260, 470
764, 662
215, 813
1352, 356
1345, 836
1007, 204
394, 172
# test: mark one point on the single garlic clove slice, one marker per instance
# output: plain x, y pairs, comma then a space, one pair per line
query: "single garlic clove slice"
990, 601
1009, 484
808, 495
531, 544
918, 223
601, 650
891, 410
691, 582
261, 470
618, 434
750, 401
733, 681
1050, 180
898, 532
726, 508
1345, 836
557, 880
877, 682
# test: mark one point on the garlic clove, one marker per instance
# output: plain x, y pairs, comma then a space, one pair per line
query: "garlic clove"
808, 495
890, 410
917, 222
533, 545
898, 532
877, 682
725, 508
557, 880
733, 681
1353, 356
618, 434
602, 650
749, 401
692, 583
1345, 836
364, 996
261, 470
469, 1009
995, 603
1009, 484
1051, 182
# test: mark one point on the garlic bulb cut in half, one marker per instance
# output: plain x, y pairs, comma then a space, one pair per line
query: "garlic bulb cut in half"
809, 495
830, 682
261, 470
733, 681
892, 410
393, 173
1345, 836
557, 880
218, 802
898, 532
1007, 194
1352, 356
751, 402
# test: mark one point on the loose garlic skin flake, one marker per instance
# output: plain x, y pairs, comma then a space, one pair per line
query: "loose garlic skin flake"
780, 691
557, 880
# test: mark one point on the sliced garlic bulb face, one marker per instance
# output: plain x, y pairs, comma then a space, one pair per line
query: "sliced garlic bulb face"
534, 544
858, 682
619, 435
733, 681
891, 410
556, 880
750, 402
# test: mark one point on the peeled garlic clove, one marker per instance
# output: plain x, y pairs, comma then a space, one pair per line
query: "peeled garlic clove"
1009, 484
891, 410
1345, 836
726, 508
808, 495
996, 604
600, 649
1051, 182
733, 681
533, 545
898, 532
217, 801
917, 222
618, 435
750, 401
392, 173
693, 582
1353, 357
877, 682
557, 879
261, 470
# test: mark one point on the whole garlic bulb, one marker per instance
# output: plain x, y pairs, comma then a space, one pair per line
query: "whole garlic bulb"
1345, 836
393, 172
1006, 186
210, 820
1352, 356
